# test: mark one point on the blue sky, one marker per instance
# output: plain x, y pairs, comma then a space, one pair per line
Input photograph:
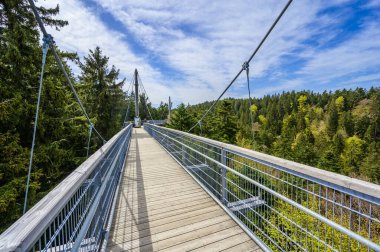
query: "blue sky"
190, 50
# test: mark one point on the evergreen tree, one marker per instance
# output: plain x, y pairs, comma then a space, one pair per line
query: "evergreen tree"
352, 154
370, 167
181, 119
223, 126
332, 119
330, 161
20, 65
306, 127
107, 97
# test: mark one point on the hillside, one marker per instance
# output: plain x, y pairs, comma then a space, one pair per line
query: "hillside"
336, 131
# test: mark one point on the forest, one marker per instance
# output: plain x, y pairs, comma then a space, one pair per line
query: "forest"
335, 131
63, 131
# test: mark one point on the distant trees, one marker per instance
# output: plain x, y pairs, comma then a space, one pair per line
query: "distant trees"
181, 119
336, 131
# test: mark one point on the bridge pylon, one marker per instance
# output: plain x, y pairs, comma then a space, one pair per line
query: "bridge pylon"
137, 120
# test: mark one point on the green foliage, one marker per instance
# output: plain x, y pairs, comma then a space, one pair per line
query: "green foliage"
330, 161
106, 97
332, 119
263, 121
254, 108
62, 131
352, 155
181, 119
222, 126
332, 131
302, 103
371, 164
339, 103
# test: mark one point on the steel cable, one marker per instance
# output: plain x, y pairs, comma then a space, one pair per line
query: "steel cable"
60, 64
45, 48
248, 61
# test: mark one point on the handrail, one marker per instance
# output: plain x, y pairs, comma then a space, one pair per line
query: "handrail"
282, 204
156, 122
360, 186
73, 195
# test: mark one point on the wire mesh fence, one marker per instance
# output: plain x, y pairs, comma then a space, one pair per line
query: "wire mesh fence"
78, 220
288, 210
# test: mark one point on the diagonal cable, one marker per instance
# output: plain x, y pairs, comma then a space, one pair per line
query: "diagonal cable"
45, 48
60, 64
248, 61
147, 98
129, 102
246, 68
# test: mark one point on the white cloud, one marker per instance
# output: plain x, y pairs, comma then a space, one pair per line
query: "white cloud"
86, 31
355, 56
205, 43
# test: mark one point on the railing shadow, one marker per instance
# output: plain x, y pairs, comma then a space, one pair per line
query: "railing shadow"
144, 231
138, 233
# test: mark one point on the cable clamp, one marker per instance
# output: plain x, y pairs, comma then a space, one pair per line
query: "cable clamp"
45, 47
246, 66
47, 40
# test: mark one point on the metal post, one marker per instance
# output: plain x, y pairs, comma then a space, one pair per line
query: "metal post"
137, 114
136, 94
170, 107
183, 154
89, 139
223, 173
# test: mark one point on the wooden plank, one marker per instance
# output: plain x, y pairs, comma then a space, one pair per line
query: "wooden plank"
164, 197
159, 204
146, 230
201, 241
173, 217
223, 244
179, 235
203, 202
248, 246
160, 207
162, 215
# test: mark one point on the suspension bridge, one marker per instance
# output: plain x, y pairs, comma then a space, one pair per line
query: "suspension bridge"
151, 188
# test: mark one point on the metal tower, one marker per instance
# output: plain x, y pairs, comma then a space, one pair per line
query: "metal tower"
137, 121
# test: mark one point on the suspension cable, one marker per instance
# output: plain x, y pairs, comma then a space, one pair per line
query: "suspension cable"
89, 138
60, 64
246, 68
248, 61
127, 113
147, 98
45, 48
129, 102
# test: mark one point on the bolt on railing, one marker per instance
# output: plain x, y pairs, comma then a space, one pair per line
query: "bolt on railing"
287, 206
76, 215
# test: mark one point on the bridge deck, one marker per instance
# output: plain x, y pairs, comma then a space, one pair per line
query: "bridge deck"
160, 207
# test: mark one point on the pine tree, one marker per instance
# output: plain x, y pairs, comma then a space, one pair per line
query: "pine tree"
181, 119
107, 96
20, 64
332, 119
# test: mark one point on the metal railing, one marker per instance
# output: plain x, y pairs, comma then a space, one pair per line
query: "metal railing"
77, 214
156, 122
285, 205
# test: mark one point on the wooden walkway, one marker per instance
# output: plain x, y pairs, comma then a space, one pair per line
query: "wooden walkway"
160, 207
